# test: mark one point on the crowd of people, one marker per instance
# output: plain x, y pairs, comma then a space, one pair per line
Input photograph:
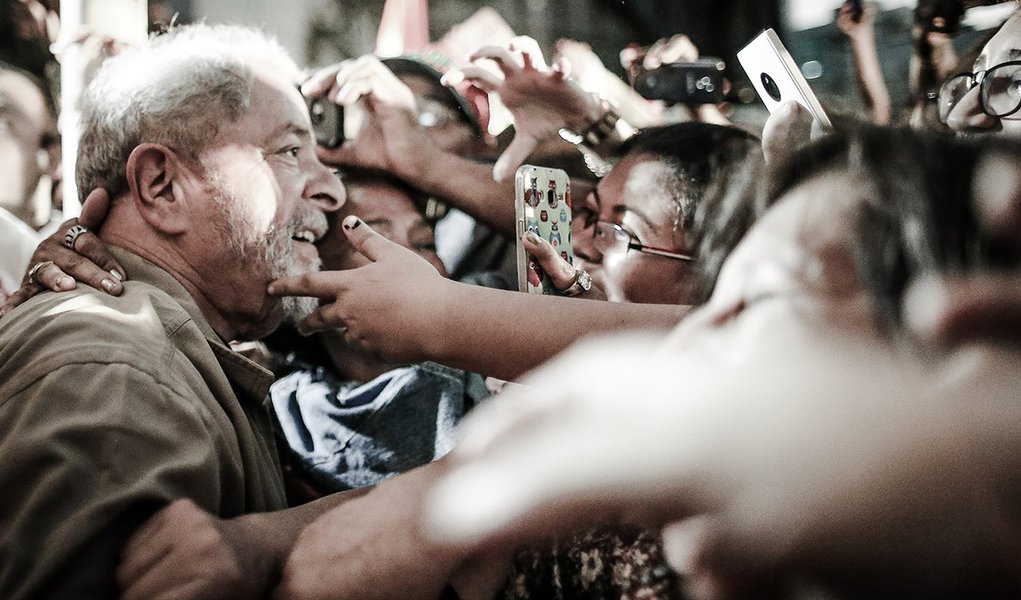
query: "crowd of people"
261, 364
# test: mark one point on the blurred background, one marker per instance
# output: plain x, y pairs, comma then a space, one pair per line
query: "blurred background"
323, 31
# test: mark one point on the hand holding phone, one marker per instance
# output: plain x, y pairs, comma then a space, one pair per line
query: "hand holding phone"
542, 205
776, 77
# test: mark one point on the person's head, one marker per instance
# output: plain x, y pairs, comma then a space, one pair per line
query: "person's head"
203, 141
987, 100
855, 218
391, 208
634, 234
27, 136
456, 119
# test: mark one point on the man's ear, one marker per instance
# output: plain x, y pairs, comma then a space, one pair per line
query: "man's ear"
155, 175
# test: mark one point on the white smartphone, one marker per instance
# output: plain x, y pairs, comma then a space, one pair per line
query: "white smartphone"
542, 204
776, 76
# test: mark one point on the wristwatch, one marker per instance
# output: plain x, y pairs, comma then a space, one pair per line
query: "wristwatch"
582, 283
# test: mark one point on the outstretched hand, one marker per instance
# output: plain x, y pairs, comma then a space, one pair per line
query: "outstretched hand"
542, 99
88, 261
793, 474
390, 137
392, 307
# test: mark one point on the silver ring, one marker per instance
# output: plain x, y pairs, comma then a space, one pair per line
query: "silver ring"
35, 270
582, 283
73, 234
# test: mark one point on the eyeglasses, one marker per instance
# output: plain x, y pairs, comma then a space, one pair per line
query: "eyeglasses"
610, 237
999, 90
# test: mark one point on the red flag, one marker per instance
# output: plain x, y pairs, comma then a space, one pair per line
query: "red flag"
403, 28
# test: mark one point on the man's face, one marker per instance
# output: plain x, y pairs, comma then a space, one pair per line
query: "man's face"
25, 123
267, 193
967, 115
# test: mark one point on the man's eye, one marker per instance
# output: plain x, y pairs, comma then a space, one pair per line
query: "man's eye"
291, 151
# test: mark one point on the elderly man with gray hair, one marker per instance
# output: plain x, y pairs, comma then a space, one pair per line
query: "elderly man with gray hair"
111, 407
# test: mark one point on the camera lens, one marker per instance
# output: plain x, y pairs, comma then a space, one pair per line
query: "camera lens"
770, 86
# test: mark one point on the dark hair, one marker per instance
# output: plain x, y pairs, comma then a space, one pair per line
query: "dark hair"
916, 217
697, 153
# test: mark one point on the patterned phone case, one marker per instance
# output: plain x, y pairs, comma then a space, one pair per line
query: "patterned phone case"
542, 200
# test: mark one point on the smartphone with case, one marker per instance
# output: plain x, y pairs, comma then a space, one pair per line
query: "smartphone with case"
776, 76
542, 204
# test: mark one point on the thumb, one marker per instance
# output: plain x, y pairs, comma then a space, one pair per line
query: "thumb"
95, 208
365, 240
514, 156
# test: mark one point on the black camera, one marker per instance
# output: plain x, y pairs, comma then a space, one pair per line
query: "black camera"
327, 121
942, 16
699, 82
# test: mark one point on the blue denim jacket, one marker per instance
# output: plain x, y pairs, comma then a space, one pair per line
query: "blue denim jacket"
349, 435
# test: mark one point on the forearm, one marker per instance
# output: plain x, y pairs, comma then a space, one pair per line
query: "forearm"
498, 333
870, 79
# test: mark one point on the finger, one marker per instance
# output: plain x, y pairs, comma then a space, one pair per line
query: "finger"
560, 272
89, 246
983, 307
365, 240
505, 60
322, 284
531, 53
50, 277
514, 156
481, 77
321, 81
345, 154
787, 129
94, 209
83, 268
562, 68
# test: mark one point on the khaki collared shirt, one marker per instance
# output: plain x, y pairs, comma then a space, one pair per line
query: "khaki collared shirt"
109, 408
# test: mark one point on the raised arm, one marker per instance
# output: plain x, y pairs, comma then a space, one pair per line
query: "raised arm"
391, 139
862, 36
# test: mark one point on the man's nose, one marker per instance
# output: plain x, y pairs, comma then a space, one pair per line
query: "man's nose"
325, 189
967, 114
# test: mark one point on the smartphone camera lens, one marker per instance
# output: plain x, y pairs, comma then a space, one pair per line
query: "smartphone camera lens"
770, 86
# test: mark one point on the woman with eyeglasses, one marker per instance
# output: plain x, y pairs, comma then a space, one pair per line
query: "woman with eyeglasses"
988, 100
633, 234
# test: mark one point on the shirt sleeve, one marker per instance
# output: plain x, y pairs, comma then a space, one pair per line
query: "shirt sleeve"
87, 453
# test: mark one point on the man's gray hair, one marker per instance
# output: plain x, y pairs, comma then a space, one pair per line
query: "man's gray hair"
178, 89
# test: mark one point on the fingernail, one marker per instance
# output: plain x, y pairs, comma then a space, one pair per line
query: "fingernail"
64, 282
107, 284
535, 239
116, 274
303, 331
352, 223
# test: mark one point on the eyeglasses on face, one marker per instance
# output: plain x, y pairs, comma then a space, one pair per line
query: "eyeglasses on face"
999, 90
610, 238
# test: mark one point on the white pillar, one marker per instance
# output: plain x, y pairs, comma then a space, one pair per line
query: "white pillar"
126, 21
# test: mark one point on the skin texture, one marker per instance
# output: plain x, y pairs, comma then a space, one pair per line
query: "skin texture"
967, 115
